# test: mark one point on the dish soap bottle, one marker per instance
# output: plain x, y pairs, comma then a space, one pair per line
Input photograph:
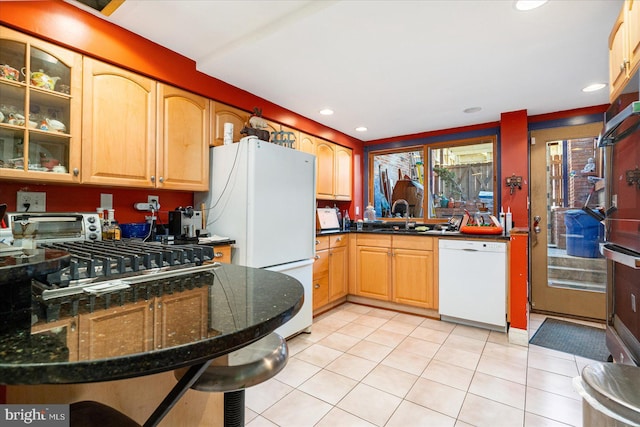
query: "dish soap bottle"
346, 221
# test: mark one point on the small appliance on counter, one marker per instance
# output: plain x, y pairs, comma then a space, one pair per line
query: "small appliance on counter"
327, 220
185, 224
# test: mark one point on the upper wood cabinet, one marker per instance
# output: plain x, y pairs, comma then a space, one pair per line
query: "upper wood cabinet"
140, 133
334, 168
41, 107
119, 126
325, 172
182, 156
225, 114
343, 173
624, 47
307, 143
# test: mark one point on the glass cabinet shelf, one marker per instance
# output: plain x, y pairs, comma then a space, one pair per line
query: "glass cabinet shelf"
38, 111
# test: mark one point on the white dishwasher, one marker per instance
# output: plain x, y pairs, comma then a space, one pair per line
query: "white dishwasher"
473, 282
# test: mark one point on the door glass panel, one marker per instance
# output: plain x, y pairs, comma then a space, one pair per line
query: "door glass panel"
574, 234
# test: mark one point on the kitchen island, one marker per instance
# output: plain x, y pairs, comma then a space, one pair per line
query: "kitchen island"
145, 341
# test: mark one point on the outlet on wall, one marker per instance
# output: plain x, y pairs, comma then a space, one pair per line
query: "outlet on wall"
154, 201
31, 201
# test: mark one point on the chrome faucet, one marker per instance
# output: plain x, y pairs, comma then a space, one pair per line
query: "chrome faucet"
406, 211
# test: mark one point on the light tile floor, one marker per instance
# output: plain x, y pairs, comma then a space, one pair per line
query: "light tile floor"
364, 366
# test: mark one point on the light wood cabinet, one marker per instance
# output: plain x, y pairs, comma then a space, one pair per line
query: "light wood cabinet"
338, 267
413, 271
135, 320
222, 114
182, 159
624, 47
343, 173
41, 103
119, 126
307, 143
334, 171
325, 169
181, 317
373, 266
160, 322
330, 270
396, 268
222, 253
140, 133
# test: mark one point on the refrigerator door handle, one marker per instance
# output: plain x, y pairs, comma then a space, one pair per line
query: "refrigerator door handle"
621, 255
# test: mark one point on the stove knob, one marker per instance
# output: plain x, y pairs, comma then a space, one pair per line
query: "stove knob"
93, 236
91, 220
93, 228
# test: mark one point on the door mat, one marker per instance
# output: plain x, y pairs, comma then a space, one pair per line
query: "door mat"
573, 338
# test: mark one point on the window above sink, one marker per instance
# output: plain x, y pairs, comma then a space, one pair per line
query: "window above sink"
438, 180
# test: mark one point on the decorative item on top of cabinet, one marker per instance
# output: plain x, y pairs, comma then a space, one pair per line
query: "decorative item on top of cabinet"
40, 109
256, 126
624, 47
222, 114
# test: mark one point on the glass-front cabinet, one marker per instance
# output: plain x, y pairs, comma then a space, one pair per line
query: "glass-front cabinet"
40, 109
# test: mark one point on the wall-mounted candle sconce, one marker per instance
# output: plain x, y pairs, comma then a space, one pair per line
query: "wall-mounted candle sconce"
512, 182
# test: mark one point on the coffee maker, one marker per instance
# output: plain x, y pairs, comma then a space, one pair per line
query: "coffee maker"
185, 224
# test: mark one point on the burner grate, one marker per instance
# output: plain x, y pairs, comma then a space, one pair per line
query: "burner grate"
104, 273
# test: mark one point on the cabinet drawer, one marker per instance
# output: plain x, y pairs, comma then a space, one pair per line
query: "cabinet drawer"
222, 253
322, 242
383, 241
413, 242
321, 263
338, 241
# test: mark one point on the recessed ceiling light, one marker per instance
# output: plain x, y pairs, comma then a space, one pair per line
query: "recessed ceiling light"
529, 4
361, 129
472, 109
594, 87
326, 111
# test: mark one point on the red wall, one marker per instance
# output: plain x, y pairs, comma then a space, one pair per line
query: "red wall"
514, 159
61, 198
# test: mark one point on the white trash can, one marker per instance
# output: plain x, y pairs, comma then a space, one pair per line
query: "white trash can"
610, 395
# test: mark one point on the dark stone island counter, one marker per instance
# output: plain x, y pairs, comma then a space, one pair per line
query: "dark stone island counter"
228, 308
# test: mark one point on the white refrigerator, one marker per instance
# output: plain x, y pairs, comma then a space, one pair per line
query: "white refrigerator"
262, 195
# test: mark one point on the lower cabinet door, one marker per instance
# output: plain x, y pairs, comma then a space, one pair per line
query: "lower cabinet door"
413, 277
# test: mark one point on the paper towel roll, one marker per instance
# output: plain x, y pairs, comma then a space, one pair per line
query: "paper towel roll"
228, 133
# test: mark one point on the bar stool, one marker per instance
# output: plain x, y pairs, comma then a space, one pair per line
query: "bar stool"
243, 368
88, 413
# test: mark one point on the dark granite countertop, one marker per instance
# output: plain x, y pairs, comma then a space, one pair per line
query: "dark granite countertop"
244, 304
430, 233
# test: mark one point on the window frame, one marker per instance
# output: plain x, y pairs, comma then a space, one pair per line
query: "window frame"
426, 151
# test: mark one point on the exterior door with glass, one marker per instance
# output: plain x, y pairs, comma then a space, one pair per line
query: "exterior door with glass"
568, 275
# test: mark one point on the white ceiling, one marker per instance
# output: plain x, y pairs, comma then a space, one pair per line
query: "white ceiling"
396, 67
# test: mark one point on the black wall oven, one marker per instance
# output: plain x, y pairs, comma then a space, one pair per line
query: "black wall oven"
621, 141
